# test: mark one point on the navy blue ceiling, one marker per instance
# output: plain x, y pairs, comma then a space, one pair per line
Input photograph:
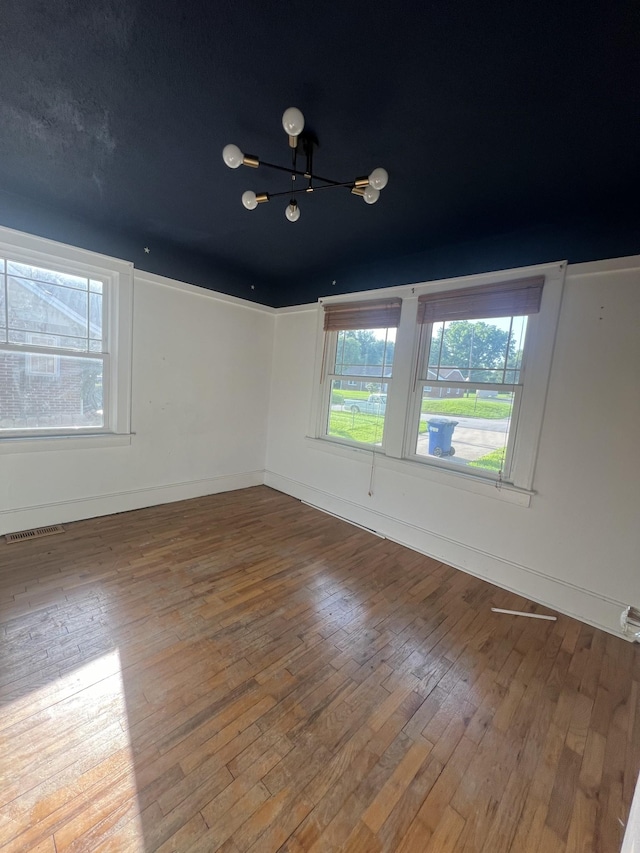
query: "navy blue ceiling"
510, 131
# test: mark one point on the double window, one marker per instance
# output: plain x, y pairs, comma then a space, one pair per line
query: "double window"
454, 378
64, 348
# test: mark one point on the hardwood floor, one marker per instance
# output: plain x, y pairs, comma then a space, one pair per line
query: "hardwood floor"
243, 673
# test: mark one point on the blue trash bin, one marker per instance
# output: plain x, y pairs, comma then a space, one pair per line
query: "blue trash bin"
440, 433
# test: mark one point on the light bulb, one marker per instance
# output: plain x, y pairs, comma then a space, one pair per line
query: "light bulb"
293, 121
378, 179
232, 156
292, 212
249, 200
371, 194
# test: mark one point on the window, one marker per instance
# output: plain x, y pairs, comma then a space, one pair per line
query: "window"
455, 380
42, 365
472, 347
64, 341
476, 366
360, 342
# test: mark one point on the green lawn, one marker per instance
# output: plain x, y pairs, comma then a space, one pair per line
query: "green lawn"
493, 461
367, 429
357, 395
338, 396
467, 407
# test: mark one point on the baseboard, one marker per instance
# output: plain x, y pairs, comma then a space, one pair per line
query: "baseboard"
564, 597
59, 512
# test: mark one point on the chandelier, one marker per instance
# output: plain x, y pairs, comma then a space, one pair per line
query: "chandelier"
301, 144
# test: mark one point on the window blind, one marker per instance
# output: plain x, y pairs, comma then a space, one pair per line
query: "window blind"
372, 314
508, 299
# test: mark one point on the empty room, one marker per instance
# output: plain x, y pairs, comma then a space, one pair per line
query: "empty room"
319, 511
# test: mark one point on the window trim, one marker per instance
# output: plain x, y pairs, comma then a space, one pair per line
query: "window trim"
536, 369
117, 275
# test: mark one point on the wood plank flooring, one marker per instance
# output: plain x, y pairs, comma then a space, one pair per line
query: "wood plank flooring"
243, 673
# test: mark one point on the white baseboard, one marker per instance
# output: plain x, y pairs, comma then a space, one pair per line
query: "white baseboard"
559, 595
59, 512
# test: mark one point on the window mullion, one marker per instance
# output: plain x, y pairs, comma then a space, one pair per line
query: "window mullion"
329, 356
400, 389
34, 349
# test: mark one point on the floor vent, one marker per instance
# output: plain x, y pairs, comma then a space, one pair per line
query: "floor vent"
36, 533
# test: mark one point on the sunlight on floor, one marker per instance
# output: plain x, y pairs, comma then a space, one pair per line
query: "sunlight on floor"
632, 834
73, 730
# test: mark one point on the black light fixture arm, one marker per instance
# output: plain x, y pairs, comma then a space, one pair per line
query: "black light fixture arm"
293, 123
313, 189
306, 174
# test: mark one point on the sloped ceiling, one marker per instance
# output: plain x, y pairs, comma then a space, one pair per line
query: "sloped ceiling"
510, 131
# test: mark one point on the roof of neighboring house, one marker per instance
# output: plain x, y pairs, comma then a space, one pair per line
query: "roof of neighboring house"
59, 305
371, 370
452, 373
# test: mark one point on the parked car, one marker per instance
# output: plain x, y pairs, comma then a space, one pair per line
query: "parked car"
376, 404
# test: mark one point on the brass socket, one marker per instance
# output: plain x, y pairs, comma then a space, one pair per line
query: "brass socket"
361, 182
260, 197
358, 190
250, 160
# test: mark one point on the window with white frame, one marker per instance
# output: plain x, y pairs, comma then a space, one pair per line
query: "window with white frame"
471, 353
462, 384
64, 341
359, 350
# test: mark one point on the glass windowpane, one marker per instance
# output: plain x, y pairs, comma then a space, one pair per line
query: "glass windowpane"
357, 410
57, 341
17, 337
95, 315
50, 392
367, 352
476, 350
518, 332
468, 428
38, 307
47, 276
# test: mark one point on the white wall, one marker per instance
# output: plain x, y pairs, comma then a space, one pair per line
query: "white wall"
576, 546
201, 371
205, 391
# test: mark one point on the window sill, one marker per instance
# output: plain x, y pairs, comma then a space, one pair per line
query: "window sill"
40, 443
454, 479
